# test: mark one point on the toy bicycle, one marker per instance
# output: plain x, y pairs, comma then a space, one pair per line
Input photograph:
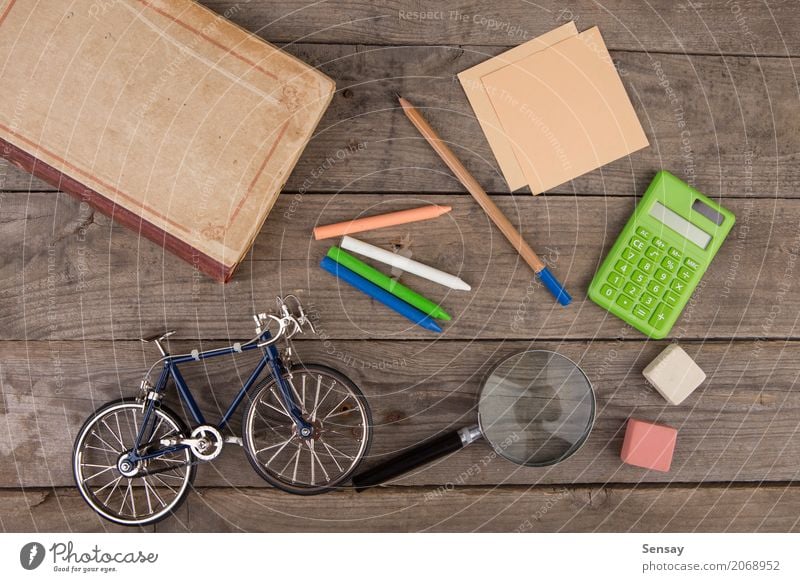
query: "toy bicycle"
305, 429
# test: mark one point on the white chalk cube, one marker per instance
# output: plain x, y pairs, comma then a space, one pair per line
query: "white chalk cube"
674, 374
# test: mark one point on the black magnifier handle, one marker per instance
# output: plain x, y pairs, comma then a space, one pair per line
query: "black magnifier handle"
422, 454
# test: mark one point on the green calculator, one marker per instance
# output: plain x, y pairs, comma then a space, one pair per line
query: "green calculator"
661, 255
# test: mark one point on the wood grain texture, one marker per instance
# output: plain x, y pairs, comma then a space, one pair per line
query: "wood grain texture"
70, 274
727, 124
715, 88
744, 27
739, 508
740, 425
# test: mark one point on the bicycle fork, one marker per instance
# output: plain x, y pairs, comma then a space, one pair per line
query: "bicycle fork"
304, 428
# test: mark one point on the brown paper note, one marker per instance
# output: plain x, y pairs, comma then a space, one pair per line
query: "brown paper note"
565, 111
471, 81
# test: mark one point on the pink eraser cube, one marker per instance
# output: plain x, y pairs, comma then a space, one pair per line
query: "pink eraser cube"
648, 445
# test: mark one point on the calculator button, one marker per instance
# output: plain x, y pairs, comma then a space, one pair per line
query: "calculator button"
631, 289
629, 254
661, 276
678, 286
655, 288
652, 253
643, 232
607, 291
641, 312
648, 300
660, 316
615, 279
638, 244
675, 253
639, 278
685, 274
623, 267
670, 298
625, 302
646, 266
669, 264
659, 244
691, 263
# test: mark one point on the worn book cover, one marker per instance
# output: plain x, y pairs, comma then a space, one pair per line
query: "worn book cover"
160, 113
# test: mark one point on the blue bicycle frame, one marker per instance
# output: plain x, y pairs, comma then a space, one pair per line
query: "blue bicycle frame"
271, 360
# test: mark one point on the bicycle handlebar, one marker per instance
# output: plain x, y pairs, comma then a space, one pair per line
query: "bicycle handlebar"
289, 324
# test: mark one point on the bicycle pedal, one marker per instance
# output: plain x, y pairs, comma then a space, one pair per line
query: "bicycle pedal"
232, 440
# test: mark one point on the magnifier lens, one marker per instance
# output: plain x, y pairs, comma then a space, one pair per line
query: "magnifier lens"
536, 408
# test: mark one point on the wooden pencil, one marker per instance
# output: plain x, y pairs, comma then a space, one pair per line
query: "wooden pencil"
480, 196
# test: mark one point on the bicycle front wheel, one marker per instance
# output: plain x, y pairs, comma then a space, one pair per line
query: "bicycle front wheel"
149, 491
342, 423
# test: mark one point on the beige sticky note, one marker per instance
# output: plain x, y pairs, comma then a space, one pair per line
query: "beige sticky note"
471, 81
565, 111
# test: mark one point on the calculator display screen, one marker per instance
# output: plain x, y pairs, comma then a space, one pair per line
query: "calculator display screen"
680, 225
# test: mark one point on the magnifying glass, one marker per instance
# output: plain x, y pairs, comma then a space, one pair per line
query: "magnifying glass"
536, 408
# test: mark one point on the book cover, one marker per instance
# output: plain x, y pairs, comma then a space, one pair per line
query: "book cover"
160, 113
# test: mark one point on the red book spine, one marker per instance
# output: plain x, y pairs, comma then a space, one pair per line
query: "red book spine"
121, 215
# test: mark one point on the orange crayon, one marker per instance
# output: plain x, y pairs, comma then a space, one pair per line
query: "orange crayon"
380, 221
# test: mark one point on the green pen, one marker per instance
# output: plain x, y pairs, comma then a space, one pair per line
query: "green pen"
399, 290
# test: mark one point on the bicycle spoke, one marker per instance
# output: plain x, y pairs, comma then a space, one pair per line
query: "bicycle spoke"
102, 440
279, 411
316, 408
117, 480
166, 473
132, 425
331, 415
304, 393
153, 489
118, 437
147, 494
315, 457
167, 485
346, 456
97, 474
116, 484
289, 462
155, 430
311, 457
316, 398
133, 501
124, 498
278, 452
282, 444
330, 454
119, 430
101, 449
296, 463
168, 460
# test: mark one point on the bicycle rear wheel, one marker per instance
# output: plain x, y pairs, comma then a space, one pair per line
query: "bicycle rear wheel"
147, 493
342, 431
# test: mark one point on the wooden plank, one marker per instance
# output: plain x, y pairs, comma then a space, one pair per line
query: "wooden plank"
740, 27
53, 510
726, 124
69, 274
741, 425
772, 508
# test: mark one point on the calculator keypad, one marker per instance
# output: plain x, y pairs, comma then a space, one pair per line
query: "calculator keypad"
650, 278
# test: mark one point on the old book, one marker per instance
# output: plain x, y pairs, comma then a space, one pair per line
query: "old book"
160, 113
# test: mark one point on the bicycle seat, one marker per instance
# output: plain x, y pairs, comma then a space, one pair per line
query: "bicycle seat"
159, 336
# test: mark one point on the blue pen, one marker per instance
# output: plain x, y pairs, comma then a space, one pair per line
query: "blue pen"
389, 300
